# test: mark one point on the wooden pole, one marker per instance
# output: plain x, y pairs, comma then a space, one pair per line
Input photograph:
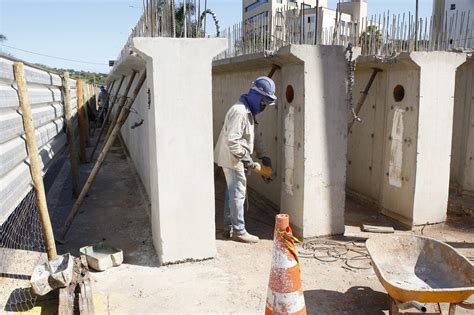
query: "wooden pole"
91, 158
81, 118
70, 135
33, 155
103, 154
121, 105
86, 113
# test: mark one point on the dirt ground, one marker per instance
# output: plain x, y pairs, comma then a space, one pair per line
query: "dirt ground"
235, 282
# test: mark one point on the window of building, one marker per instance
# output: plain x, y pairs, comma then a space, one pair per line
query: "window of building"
306, 6
258, 16
254, 5
453, 6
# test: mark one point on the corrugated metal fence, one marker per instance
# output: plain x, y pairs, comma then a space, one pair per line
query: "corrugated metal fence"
46, 101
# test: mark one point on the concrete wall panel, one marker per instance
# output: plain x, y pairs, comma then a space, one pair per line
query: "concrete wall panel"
415, 134
309, 134
172, 150
462, 158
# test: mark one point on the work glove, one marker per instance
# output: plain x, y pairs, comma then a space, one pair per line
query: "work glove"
266, 161
248, 162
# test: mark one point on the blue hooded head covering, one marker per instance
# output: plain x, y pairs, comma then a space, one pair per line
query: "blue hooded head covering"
252, 101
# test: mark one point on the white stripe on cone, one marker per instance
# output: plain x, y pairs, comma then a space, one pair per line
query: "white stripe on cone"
280, 258
285, 302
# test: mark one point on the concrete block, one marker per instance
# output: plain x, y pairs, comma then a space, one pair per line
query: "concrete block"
51, 275
101, 256
180, 145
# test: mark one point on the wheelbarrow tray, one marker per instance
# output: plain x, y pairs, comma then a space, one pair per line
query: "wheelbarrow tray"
415, 268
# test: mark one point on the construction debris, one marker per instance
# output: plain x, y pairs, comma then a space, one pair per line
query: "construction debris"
377, 229
52, 274
77, 297
101, 256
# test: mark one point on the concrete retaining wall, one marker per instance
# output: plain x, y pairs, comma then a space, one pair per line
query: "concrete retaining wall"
172, 150
462, 160
44, 91
399, 156
305, 135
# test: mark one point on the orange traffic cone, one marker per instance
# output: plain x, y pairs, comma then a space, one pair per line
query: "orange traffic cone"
284, 289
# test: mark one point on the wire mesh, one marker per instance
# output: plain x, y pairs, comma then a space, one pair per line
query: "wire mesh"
22, 248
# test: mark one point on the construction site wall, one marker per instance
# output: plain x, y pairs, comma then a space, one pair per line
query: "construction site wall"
462, 158
399, 155
172, 148
305, 133
46, 101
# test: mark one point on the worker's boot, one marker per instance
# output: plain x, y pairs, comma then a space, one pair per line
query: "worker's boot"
226, 233
245, 238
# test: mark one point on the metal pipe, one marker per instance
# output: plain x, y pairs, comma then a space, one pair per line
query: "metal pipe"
411, 304
416, 25
362, 98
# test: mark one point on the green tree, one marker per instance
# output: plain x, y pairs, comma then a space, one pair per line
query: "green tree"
2, 38
191, 25
370, 40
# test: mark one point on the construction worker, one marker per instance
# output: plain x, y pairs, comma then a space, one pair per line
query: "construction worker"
103, 99
234, 150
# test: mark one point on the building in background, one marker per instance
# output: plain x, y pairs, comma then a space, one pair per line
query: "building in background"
453, 22
284, 19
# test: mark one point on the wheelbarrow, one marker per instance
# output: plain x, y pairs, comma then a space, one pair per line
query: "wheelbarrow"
415, 270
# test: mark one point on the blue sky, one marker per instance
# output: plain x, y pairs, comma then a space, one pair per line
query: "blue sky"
96, 30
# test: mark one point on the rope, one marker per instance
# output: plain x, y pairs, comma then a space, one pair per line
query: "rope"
332, 251
289, 240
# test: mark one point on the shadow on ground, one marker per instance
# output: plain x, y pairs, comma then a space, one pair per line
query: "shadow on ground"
355, 301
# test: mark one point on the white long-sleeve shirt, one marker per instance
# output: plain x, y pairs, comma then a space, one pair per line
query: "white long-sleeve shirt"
237, 137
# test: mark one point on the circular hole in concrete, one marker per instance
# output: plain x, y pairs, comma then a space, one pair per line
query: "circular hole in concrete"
398, 93
290, 93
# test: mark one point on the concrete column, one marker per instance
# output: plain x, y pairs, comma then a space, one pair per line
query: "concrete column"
435, 125
180, 145
315, 142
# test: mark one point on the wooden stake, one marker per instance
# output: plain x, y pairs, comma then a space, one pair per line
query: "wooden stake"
121, 105
70, 135
81, 118
103, 154
91, 158
33, 155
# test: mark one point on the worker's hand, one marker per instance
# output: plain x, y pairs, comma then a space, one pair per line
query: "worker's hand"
248, 162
